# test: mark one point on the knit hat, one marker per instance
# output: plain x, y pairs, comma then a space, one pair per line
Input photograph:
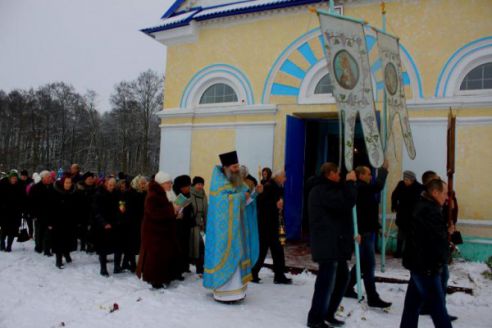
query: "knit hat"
197, 180
162, 177
87, 174
181, 181
13, 173
36, 177
409, 175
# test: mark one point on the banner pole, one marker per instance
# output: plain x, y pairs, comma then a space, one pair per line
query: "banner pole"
385, 141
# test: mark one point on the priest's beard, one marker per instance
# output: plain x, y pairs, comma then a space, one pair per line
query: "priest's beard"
234, 178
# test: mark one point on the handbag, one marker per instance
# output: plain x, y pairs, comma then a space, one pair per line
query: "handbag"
23, 235
456, 238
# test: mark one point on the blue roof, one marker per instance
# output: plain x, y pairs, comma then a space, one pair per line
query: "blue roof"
173, 19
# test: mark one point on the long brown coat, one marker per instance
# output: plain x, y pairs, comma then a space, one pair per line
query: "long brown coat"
158, 261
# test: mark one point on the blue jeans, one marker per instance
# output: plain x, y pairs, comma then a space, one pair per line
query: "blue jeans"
422, 288
329, 289
367, 265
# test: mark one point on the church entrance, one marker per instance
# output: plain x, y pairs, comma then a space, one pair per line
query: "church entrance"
310, 142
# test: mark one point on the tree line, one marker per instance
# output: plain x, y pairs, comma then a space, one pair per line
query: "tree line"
54, 125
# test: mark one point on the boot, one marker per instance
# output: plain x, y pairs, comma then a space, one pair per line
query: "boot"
117, 263
103, 261
10, 241
133, 264
334, 322
282, 280
68, 258
378, 303
59, 261
2, 244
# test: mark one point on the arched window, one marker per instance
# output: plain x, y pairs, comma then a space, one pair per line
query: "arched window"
479, 78
218, 93
324, 86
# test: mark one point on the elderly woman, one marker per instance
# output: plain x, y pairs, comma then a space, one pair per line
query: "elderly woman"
159, 259
64, 219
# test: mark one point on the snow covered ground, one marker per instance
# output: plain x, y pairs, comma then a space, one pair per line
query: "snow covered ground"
34, 293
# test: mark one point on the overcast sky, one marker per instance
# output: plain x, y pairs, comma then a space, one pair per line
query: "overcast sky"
92, 44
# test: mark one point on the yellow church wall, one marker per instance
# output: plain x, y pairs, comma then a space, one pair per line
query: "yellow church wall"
473, 161
430, 30
252, 46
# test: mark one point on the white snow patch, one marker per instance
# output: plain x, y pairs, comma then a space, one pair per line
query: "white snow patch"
34, 293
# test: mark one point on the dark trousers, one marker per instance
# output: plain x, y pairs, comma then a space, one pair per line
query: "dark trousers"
400, 242
367, 265
6, 236
271, 242
42, 237
420, 289
444, 282
329, 289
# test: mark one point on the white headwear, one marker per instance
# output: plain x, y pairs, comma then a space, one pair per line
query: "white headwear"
162, 177
36, 177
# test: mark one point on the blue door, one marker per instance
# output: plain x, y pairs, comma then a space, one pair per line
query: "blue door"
295, 143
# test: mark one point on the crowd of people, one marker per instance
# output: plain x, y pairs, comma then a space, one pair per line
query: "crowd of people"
125, 216
164, 222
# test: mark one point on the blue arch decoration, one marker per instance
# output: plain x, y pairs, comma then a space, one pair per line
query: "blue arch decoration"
202, 74
453, 61
285, 65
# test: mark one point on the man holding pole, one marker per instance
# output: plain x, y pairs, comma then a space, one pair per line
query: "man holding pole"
368, 223
330, 204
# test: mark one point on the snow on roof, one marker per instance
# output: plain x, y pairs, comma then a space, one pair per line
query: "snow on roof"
177, 19
245, 5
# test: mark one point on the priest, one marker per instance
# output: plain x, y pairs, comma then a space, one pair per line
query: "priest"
231, 241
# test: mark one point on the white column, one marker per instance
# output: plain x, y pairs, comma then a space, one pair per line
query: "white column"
175, 153
254, 144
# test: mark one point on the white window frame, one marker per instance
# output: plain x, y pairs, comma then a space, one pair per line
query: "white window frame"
466, 66
470, 67
309, 83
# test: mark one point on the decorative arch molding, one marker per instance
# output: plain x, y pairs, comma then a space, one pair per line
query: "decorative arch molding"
217, 73
461, 62
308, 86
302, 49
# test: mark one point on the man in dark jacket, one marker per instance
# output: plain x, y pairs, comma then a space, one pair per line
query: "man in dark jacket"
425, 254
330, 206
403, 200
270, 202
86, 190
41, 199
368, 224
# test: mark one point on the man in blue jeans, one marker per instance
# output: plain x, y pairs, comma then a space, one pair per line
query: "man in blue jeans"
368, 224
330, 204
425, 255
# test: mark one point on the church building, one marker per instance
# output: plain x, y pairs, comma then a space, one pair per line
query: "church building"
252, 76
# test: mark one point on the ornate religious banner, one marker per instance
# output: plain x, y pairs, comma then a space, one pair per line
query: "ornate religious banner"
389, 53
348, 64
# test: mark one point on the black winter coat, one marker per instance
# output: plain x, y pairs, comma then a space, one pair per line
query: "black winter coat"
426, 249
368, 203
106, 211
330, 220
135, 202
403, 201
64, 219
85, 198
268, 213
41, 200
12, 201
